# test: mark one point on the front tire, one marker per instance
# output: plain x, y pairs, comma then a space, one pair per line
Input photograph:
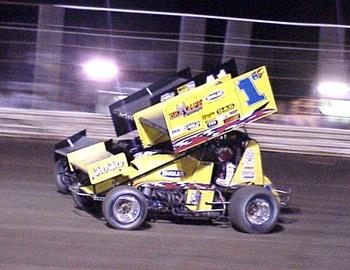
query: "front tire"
253, 209
125, 208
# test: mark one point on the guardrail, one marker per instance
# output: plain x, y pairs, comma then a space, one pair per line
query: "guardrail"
43, 124
57, 125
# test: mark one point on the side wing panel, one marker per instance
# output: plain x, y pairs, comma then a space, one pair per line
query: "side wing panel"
208, 111
217, 108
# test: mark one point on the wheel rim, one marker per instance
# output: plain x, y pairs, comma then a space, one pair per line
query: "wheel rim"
126, 209
258, 211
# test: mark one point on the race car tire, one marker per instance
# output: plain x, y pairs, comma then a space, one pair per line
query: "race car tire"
83, 202
62, 181
253, 209
125, 208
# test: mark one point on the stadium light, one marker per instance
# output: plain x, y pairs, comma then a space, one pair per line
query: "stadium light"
100, 70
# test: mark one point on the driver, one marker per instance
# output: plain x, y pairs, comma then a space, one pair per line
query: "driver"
225, 167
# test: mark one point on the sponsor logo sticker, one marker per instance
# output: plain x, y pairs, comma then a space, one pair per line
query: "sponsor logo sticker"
145, 154
185, 110
214, 95
192, 125
172, 173
110, 166
177, 131
167, 96
226, 108
257, 74
249, 165
125, 116
212, 123
231, 118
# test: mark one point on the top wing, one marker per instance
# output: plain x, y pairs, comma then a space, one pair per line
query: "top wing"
207, 111
122, 111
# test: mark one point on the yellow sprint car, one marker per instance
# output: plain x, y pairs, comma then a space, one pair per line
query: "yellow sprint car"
190, 158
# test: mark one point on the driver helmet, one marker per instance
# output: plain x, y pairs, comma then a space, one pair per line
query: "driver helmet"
224, 154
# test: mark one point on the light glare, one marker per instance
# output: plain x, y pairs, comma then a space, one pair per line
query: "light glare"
340, 108
333, 89
100, 70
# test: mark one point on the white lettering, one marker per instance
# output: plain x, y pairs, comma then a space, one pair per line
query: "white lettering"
111, 166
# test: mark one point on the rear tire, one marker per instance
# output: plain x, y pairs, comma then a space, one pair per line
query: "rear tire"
253, 209
125, 208
82, 202
62, 181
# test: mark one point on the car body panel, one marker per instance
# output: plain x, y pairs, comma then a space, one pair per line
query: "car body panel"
207, 111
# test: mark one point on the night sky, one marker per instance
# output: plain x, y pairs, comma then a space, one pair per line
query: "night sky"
312, 11
300, 67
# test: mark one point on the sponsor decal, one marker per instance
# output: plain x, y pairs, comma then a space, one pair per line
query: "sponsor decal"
166, 96
249, 165
178, 185
224, 116
124, 116
185, 110
172, 173
231, 118
250, 154
248, 175
226, 108
109, 167
182, 144
195, 197
186, 87
144, 154
212, 123
177, 131
192, 125
214, 95
208, 116
257, 74
189, 126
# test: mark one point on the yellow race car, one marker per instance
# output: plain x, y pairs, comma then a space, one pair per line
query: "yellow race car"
189, 160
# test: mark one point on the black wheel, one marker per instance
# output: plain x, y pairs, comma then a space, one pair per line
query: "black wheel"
125, 208
82, 202
63, 180
253, 209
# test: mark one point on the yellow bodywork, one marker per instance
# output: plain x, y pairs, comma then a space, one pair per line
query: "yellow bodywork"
189, 119
198, 200
101, 166
249, 169
166, 169
169, 169
207, 111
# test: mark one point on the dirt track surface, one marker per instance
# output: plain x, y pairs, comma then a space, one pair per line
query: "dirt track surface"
41, 229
